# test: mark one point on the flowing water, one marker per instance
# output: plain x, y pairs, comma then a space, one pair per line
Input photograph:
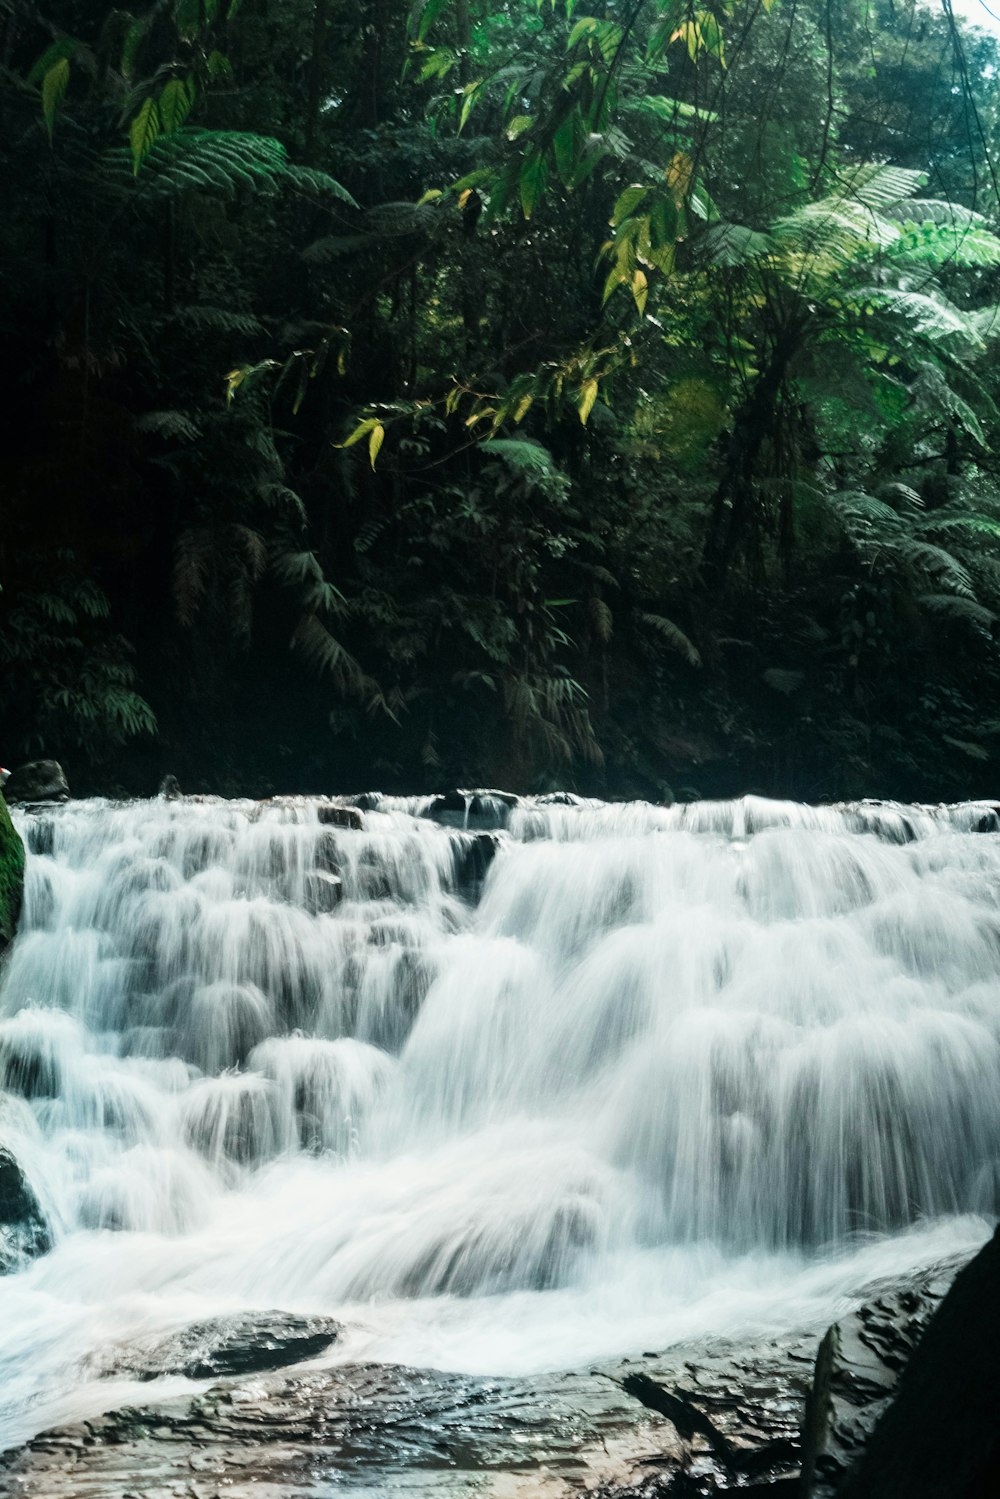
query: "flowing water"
613, 1077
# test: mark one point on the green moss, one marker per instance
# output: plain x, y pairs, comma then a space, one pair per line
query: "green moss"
11, 876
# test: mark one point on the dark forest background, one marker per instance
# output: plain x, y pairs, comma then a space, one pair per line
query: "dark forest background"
599, 396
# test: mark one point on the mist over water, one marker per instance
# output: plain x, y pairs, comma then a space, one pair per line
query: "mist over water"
668, 1073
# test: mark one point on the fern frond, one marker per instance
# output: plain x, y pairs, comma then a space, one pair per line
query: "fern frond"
854, 505
522, 454
959, 608
957, 526
601, 619
217, 320
169, 424
928, 314
219, 161
939, 567
673, 636
192, 566
933, 211
877, 185
734, 244
325, 654
937, 244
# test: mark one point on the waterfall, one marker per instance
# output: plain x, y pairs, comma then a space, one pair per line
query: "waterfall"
501, 1083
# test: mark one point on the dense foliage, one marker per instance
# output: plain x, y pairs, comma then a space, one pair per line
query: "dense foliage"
531, 395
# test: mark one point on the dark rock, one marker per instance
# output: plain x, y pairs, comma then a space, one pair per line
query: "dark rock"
11, 877
487, 811
474, 853
858, 1368
38, 781
40, 834
245, 1343
559, 799
327, 853
368, 801
340, 817
170, 788
324, 892
939, 1437
24, 1233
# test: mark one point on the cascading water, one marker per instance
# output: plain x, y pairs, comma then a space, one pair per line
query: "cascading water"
669, 1073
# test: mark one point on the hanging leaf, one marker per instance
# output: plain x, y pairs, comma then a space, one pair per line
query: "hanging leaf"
54, 86
588, 395
531, 181
217, 65
375, 442
640, 290
143, 133
175, 104
130, 47
360, 431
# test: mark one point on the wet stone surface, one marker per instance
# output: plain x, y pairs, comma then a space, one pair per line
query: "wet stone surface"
687, 1423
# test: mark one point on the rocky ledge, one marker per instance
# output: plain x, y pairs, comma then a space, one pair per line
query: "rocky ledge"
686, 1423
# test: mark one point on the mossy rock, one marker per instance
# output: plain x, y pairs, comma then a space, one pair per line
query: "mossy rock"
11, 877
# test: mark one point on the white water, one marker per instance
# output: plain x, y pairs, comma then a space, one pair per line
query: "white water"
681, 1072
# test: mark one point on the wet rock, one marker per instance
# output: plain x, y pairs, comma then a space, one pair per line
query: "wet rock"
24, 1233
858, 1369
939, 1437
327, 853
368, 801
170, 788
487, 811
474, 853
340, 817
11, 877
38, 781
234, 1346
323, 892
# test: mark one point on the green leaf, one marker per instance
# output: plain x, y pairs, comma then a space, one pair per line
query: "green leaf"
518, 125
628, 202
130, 47
375, 442
360, 431
566, 143
588, 395
143, 133
175, 104
54, 86
65, 47
531, 181
187, 19
217, 65
468, 100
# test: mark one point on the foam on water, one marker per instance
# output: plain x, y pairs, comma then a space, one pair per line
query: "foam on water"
678, 1072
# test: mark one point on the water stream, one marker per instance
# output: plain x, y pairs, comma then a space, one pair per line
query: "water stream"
613, 1077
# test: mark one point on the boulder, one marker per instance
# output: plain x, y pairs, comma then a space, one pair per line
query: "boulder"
482, 811
170, 788
11, 877
858, 1368
240, 1344
474, 853
324, 892
939, 1437
38, 781
24, 1233
340, 817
